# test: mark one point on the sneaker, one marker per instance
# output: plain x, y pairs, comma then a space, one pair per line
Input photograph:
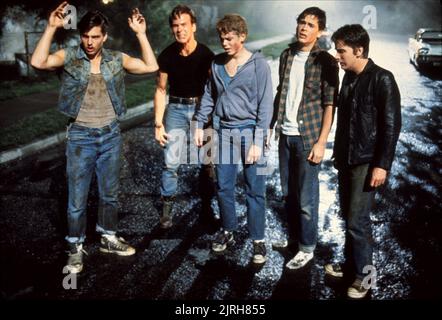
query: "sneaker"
280, 244
357, 290
222, 240
75, 258
117, 245
334, 270
299, 260
259, 252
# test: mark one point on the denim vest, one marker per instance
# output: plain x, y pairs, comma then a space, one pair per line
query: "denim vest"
75, 78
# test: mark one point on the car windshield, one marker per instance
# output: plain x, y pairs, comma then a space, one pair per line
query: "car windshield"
432, 36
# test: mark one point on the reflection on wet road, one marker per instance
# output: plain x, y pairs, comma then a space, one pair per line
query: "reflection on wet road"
177, 264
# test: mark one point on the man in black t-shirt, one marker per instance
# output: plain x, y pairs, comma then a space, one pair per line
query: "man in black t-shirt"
185, 65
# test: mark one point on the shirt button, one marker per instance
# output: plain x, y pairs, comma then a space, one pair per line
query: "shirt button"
301, 122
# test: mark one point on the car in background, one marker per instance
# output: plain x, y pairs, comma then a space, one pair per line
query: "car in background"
425, 48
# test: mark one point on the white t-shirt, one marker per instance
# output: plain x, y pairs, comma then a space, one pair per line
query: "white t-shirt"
294, 94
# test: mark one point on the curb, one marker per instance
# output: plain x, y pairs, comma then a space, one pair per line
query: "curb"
29, 149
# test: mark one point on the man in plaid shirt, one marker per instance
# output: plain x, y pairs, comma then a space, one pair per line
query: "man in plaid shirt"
303, 113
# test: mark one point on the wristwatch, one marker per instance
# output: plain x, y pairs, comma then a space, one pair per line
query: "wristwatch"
158, 125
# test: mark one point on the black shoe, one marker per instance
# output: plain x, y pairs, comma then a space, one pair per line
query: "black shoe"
259, 252
222, 240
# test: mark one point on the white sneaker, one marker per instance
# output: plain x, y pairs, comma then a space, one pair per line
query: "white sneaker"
280, 244
334, 270
299, 260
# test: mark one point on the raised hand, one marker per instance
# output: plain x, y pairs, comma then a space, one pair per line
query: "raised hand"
137, 22
56, 19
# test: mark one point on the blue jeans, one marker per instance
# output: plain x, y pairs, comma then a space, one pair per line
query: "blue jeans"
300, 187
356, 199
89, 150
254, 183
177, 124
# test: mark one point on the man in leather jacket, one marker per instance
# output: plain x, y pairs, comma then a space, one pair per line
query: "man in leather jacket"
369, 122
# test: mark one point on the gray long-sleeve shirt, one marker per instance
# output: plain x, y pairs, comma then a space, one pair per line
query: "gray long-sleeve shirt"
246, 101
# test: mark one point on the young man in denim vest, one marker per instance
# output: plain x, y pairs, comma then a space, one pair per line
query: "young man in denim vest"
369, 122
307, 92
184, 66
92, 94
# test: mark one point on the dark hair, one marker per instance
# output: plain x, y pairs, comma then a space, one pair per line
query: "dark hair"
318, 13
93, 19
232, 22
179, 10
354, 36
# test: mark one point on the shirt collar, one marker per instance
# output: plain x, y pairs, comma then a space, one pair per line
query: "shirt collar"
104, 53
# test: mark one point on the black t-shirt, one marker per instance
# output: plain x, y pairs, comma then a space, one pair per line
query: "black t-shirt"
186, 75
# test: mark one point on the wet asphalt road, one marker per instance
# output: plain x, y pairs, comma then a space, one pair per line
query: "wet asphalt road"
177, 264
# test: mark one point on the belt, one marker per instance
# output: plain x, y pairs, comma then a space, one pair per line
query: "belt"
191, 100
96, 131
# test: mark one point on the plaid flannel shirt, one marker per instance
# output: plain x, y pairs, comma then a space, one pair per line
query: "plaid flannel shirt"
320, 90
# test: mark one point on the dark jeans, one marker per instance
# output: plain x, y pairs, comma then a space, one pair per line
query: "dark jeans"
356, 198
300, 187
226, 172
92, 150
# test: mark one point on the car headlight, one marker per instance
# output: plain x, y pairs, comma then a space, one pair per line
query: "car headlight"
423, 50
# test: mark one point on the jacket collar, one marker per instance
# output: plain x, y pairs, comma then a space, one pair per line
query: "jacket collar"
104, 53
295, 45
369, 67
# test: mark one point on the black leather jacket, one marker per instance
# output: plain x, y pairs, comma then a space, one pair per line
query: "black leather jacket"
369, 118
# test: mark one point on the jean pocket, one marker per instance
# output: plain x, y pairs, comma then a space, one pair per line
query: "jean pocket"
74, 134
68, 127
